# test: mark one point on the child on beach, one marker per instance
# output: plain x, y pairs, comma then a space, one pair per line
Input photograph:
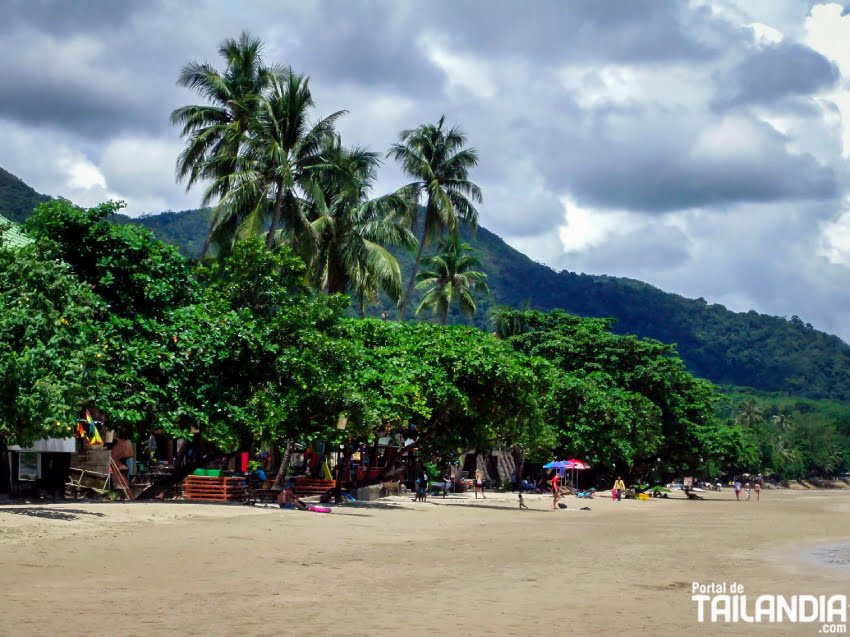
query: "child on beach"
758, 491
747, 489
479, 485
737, 490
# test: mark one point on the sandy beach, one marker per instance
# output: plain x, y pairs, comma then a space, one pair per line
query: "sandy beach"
453, 566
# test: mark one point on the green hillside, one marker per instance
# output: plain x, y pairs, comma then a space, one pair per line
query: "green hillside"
740, 349
17, 200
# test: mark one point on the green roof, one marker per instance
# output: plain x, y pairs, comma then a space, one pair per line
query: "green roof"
11, 234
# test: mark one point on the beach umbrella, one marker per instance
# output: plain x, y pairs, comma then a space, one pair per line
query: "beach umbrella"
577, 465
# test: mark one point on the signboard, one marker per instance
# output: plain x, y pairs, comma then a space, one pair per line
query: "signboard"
49, 445
28, 465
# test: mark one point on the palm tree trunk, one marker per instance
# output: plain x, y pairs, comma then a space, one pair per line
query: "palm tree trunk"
284, 464
278, 205
413, 272
206, 246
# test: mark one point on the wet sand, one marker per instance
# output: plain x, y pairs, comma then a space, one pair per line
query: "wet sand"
453, 566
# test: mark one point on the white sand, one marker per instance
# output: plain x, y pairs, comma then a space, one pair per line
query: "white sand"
447, 567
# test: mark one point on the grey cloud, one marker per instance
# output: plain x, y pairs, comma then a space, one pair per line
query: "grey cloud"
642, 251
373, 45
649, 159
775, 72
61, 17
639, 31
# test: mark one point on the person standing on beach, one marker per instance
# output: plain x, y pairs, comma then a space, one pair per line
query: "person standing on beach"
737, 489
479, 485
619, 488
556, 491
747, 489
758, 491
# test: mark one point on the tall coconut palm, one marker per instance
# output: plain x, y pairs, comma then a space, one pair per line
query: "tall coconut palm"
448, 277
437, 159
782, 422
350, 230
786, 451
750, 414
267, 187
216, 131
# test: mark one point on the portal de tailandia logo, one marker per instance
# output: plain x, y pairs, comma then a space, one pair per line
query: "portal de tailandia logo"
729, 603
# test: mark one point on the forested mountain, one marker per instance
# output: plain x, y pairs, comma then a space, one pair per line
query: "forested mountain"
741, 349
17, 200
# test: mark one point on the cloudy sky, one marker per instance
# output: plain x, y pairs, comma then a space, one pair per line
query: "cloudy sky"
698, 146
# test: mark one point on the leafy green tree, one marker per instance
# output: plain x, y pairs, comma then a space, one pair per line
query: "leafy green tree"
49, 350
459, 387
260, 358
271, 171
624, 403
140, 281
448, 277
351, 230
216, 131
437, 159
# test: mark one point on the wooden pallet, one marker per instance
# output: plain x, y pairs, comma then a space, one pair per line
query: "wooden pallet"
213, 489
313, 486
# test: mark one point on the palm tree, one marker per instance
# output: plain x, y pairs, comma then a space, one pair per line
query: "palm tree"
350, 230
271, 172
215, 132
786, 451
447, 276
782, 422
750, 414
436, 158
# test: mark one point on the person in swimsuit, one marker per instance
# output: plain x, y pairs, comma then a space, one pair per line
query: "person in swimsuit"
479, 485
288, 500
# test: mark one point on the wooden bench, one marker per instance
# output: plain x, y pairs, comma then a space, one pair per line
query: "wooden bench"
313, 486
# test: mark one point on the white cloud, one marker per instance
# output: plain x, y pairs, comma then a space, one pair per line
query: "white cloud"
828, 31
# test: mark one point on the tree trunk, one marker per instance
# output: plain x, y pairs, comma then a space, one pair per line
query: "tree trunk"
206, 246
415, 269
519, 462
284, 464
446, 315
342, 469
278, 205
5, 469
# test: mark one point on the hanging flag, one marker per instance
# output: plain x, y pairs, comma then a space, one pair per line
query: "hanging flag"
96, 439
90, 421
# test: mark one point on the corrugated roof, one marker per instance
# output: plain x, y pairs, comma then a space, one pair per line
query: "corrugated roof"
13, 236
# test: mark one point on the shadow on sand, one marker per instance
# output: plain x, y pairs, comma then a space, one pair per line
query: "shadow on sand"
64, 515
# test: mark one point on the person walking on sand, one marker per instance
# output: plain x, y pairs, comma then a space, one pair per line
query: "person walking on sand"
757, 488
556, 490
619, 488
479, 485
747, 489
737, 489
